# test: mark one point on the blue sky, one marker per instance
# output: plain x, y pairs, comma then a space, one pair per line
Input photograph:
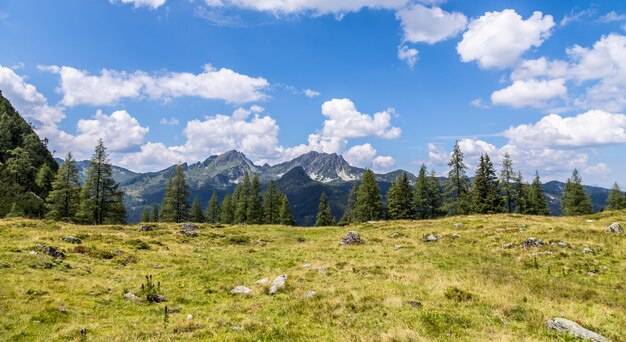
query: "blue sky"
387, 83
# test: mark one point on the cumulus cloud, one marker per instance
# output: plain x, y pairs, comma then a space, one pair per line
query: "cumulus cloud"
365, 155
612, 16
152, 4
429, 25
409, 55
498, 39
343, 120
79, 87
531, 92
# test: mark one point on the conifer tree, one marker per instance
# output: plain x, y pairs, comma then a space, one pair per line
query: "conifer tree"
349, 214
400, 199
520, 188
485, 190
196, 211
64, 199
213, 210
44, 179
507, 183
175, 206
324, 216
241, 209
145, 214
271, 204
435, 195
575, 200
286, 218
254, 213
100, 199
369, 206
155, 213
616, 199
227, 213
458, 199
535, 202
422, 195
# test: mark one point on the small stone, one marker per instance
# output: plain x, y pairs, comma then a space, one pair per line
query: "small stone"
277, 284
157, 266
33, 253
238, 328
118, 252
146, 229
396, 235
562, 244
83, 332
574, 329
71, 239
129, 295
532, 243
615, 228
310, 294
188, 226
189, 233
156, 299
241, 290
398, 246
189, 317
321, 269
414, 304
430, 238
507, 246
587, 250
352, 238
262, 281
589, 221
457, 225
307, 265
456, 235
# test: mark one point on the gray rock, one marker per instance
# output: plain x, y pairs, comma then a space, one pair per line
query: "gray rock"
430, 238
321, 269
49, 250
587, 250
146, 229
277, 284
310, 294
71, 239
615, 228
189, 233
188, 226
531, 243
130, 295
262, 281
574, 329
458, 225
589, 221
396, 235
241, 290
507, 246
352, 238
562, 244
456, 235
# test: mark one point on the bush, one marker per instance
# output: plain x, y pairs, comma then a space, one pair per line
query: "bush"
458, 295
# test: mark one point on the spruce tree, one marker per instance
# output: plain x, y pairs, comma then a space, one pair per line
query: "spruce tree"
458, 199
155, 213
145, 214
64, 199
575, 200
616, 199
254, 213
435, 195
271, 204
507, 183
175, 206
213, 210
324, 216
286, 218
44, 179
535, 202
227, 213
243, 192
485, 190
422, 195
349, 214
196, 211
369, 206
400, 199
100, 199
520, 188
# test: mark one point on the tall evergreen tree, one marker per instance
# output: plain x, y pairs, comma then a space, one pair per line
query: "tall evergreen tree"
155, 213
485, 190
64, 199
241, 209
428, 195
458, 199
271, 204
175, 206
100, 199
575, 200
349, 214
369, 206
507, 183
145, 214
616, 199
324, 216
44, 179
534, 201
227, 212
254, 213
196, 211
286, 218
400, 199
213, 210
435, 195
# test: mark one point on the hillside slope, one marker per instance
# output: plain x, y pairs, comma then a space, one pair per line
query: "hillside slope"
395, 287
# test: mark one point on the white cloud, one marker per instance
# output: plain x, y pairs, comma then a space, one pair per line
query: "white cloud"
498, 39
111, 86
120, 132
531, 92
383, 163
479, 103
540, 68
343, 120
152, 4
315, 7
574, 16
409, 55
612, 16
423, 24
311, 93
365, 155
169, 122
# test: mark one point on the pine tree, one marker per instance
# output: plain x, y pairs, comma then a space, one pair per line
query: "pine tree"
271, 204
286, 218
400, 199
213, 210
535, 202
458, 199
349, 215
241, 209
324, 216
155, 213
175, 207
254, 213
44, 179
485, 190
575, 200
520, 188
196, 213
435, 195
64, 199
227, 214
422, 195
369, 206
507, 183
145, 214
100, 200
616, 199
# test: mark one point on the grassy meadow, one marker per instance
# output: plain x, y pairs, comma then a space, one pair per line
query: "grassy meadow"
395, 287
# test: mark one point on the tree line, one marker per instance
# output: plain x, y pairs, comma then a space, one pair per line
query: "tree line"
246, 205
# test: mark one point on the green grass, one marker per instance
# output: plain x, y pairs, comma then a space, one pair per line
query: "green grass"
469, 287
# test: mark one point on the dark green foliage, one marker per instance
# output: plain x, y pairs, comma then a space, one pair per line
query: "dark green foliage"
575, 200
286, 218
485, 190
227, 214
64, 199
616, 199
196, 211
100, 200
254, 208
242, 192
213, 210
400, 199
154, 217
175, 207
349, 214
458, 295
532, 200
458, 199
369, 206
507, 183
428, 195
44, 179
145, 214
271, 204
324, 216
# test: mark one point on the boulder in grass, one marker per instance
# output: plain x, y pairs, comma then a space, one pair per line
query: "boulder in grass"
71, 239
189, 233
532, 243
574, 329
241, 290
146, 229
615, 228
188, 226
277, 284
430, 238
352, 238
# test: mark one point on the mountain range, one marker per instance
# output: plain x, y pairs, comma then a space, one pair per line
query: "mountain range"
302, 179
